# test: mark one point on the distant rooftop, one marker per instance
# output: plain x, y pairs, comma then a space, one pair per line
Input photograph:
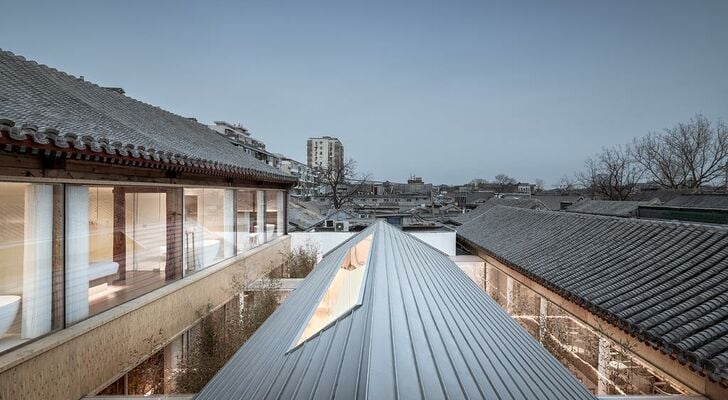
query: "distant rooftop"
608, 207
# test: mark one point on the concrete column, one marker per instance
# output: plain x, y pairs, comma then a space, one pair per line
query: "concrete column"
542, 318
172, 355
603, 359
489, 276
509, 295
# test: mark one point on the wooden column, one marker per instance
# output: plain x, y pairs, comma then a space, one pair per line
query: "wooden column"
120, 230
58, 266
173, 265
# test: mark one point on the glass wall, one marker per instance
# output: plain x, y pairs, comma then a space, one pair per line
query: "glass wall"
275, 207
261, 217
119, 245
68, 252
601, 364
247, 220
30, 261
209, 227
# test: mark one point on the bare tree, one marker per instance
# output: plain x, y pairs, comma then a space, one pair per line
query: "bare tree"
611, 174
504, 181
341, 182
539, 186
566, 184
689, 155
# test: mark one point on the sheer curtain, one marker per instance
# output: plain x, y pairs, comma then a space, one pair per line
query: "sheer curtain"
229, 223
37, 261
77, 253
281, 216
260, 227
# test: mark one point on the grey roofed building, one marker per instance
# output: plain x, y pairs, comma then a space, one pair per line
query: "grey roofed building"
664, 282
557, 202
531, 204
613, 208
420, 328
708, 201
43, 108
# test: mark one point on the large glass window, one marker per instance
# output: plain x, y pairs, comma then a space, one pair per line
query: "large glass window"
247, 220
209, 227
31, 261
275, 213
68, 252
123, 241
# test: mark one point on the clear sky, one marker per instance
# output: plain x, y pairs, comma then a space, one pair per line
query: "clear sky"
449, 90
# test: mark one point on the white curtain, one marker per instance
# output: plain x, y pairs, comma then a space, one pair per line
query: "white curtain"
77, 252
37, 261
281, 220
260, 205
229, 223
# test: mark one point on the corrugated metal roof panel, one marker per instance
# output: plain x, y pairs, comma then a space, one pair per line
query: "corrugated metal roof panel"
424, 330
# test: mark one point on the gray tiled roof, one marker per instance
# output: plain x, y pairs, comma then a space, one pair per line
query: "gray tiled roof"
553, 202
481, 209
423, 330
607, 207
715, 201
665, 282
44, 109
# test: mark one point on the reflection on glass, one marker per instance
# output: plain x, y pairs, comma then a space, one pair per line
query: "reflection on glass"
118, 245
246, 219
28, 267
209, 227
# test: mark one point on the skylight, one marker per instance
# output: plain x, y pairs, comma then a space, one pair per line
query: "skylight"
343, 293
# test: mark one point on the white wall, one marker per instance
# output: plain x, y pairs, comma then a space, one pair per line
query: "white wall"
443, 241
325, 241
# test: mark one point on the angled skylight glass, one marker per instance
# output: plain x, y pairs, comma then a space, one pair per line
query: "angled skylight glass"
344, 292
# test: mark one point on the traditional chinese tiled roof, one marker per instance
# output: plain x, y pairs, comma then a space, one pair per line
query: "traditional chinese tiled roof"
710, 201
608, 207
664, 282
422, 330
481, 209
46, 111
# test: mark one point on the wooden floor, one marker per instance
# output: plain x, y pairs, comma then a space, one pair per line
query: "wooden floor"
136, 284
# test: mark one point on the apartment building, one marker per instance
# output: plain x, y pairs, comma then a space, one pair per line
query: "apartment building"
306, 185
324, 152
123, 224
239, 136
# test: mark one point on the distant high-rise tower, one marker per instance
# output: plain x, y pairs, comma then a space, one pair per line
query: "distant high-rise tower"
325, 151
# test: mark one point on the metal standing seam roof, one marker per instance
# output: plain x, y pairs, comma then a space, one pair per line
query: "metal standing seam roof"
423, 330
664, 282
46, 111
